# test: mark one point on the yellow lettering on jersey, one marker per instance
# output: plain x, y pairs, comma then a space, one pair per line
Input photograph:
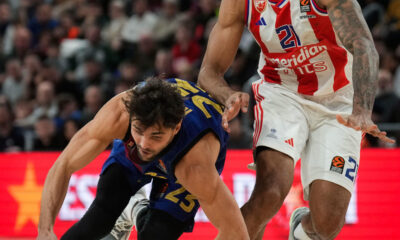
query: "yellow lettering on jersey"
199, 100
183, 85
187, 110
171, 196
153, 174
189, 207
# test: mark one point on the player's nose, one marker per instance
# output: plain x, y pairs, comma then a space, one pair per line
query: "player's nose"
144, 143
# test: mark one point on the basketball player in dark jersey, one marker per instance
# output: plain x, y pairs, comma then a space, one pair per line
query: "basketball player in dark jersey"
169, 131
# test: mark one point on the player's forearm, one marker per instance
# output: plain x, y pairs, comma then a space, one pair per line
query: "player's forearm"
214, 83
365, 75
54, 191
352, 30
223, 212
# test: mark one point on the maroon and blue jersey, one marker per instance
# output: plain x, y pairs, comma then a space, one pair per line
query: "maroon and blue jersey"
202, 115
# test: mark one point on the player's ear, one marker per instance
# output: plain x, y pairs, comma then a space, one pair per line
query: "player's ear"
178, 127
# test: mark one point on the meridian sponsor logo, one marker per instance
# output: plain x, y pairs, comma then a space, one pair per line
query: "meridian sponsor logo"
299, 57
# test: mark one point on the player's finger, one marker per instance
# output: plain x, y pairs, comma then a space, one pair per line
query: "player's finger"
387, 139
225, 125
245, 102
341, 120
382, 136
371, 128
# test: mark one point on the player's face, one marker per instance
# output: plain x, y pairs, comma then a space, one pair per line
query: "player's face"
152, 140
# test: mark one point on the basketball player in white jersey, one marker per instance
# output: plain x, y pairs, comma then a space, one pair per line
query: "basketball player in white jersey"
318, 68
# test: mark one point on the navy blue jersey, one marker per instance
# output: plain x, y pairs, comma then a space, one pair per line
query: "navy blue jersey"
202, 115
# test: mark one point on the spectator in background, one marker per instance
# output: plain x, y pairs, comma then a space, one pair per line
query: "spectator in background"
384, 105
237, 74
5, 17
374, 13
393, 24
386, 99
67, 109
129, 73
146, 53
14, 85
112, 31
89, 13
6, 28
140, 24
11, 137
68, 25
45, 104
94, 49
93, 101
204, 11
42, 21
92, 72
187, 71
32, 66
23, 108
70, 127
45, 39
167, 23
21, 42
163, 64
46, 138
121, 86
186, 48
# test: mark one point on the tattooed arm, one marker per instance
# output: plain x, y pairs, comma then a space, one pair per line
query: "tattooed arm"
351, 28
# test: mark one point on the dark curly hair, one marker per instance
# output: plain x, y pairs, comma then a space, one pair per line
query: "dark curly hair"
155, 101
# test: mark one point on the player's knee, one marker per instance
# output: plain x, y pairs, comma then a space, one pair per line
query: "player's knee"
268, 198
328, 224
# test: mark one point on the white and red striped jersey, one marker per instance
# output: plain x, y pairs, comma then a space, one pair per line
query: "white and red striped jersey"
300, 50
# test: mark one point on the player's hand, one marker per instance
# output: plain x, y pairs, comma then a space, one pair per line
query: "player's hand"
46, 236
363, 122
236, 102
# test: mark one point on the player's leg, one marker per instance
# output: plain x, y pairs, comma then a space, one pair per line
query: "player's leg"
274, 176
280, 133
328, 207
329, 168
156, 224
113, 194
128, 218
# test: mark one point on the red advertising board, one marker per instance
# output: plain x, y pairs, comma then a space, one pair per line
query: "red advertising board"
374, 211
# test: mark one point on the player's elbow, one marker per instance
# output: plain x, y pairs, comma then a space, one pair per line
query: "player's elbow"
202, 78
208, 72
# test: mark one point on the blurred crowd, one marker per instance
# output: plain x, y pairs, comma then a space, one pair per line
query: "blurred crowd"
61, 60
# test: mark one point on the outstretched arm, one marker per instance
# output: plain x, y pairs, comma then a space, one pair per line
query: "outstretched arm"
197, 173
351, 28
221, 50
110, 122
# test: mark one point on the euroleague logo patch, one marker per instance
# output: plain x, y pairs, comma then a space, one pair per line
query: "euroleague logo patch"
305, 6
337, 164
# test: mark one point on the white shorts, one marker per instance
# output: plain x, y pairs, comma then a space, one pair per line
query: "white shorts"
306, 127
